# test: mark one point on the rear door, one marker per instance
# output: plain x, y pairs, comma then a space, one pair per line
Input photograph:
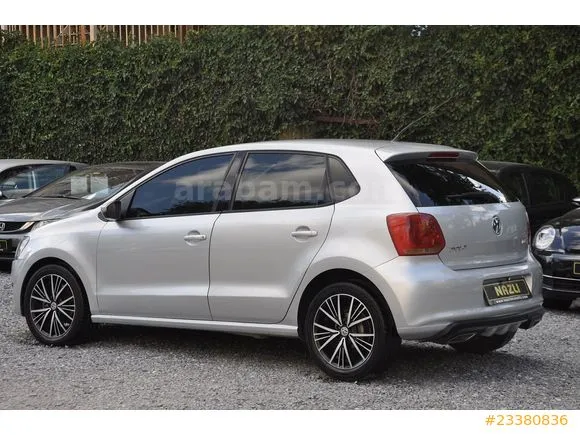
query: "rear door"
483, 226
262, 247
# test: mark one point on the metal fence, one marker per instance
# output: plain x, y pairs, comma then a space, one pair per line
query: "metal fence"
62, 34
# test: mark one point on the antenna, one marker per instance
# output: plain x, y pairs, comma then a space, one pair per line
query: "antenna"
432, 110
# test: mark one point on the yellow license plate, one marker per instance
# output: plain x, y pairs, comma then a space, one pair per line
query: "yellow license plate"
576, 268
506, 290
3, 245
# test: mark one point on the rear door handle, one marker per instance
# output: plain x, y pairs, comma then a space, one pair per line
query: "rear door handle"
304, 233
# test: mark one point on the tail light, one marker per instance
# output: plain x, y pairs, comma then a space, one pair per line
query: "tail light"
415, 233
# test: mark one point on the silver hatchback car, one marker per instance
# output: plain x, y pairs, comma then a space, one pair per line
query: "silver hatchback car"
349, 245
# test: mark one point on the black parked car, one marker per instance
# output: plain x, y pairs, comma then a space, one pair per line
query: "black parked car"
557, 247
546, 194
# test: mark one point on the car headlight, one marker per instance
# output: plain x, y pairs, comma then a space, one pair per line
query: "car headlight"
544, 237
21, 246
40, 224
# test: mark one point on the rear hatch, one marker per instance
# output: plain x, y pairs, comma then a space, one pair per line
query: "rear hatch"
483, 224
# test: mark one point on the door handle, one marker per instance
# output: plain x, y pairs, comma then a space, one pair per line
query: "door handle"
194, 236
304, 233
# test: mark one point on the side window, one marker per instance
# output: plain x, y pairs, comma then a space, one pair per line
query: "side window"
342, 183
544, 188
17, 178
189, 188
282, 180
47, 173
514, 181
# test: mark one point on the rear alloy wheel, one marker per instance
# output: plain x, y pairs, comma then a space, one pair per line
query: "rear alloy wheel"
346, 332
54, 306
557, 304
480, 344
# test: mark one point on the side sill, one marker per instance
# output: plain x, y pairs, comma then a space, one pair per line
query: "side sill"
205, 325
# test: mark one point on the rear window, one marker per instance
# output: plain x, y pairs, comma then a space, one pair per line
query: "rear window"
433, 184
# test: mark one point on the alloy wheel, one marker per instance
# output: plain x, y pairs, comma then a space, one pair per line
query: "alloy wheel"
52, 306
344, 332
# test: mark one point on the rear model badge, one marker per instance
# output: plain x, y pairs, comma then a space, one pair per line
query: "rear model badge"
496, 225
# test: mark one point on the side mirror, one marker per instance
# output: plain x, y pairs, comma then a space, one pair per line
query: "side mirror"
113, 211
576, 201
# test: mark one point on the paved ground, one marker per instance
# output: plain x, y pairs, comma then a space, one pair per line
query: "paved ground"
127, 367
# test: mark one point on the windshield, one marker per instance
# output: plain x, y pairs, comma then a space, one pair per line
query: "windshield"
90, 183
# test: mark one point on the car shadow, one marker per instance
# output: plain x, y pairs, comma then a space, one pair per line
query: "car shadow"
415, 363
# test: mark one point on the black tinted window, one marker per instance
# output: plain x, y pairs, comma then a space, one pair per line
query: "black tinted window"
342, 183
514, 182
278, 180
546, 188
432, 183
189, 188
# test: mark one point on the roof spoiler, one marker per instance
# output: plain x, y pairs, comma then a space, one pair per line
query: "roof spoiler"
413, 151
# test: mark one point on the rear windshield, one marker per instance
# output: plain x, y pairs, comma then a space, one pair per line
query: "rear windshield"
442, 183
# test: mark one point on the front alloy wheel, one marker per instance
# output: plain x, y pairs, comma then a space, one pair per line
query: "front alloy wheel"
346, 331
54, 306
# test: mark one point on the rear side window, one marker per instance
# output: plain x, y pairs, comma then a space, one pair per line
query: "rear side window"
282, 180
514, 181
546, 188
342, 183
446, 183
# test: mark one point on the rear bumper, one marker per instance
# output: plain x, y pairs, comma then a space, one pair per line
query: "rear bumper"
431, 302
462, 330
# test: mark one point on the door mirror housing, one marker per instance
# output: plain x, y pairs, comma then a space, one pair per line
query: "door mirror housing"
113, 211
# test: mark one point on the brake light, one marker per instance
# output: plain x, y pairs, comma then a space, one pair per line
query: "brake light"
415, 233
443, 155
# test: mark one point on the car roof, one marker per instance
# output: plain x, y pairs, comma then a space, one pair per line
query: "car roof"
9, 163
387, 148
135, 164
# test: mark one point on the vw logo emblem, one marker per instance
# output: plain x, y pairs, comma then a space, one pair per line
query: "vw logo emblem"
496, 225
2, 226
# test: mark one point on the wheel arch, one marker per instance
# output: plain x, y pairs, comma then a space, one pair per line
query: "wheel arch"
46, 262
341, 275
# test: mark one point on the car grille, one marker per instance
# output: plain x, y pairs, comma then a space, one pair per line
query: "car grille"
11, 226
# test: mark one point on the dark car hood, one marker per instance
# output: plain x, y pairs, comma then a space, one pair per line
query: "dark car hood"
570, 219
39, 209
569, 226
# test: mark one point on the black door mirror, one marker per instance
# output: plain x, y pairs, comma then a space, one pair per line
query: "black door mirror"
113, 211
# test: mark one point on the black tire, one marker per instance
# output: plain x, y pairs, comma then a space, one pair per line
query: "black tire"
480, 344
371, 351
557, 304
54, 326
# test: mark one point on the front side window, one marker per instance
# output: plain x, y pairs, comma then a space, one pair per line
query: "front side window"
282, 180
17, 179
188, 188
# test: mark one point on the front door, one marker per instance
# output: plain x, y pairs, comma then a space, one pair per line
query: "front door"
154, 261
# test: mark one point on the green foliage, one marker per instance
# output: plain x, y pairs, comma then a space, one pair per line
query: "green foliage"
509, 93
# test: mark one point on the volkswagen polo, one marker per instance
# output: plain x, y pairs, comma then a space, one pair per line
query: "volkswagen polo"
349, 245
